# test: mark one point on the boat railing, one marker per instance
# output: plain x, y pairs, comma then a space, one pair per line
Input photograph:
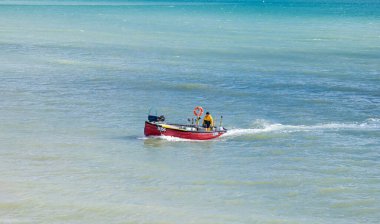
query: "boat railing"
196, 127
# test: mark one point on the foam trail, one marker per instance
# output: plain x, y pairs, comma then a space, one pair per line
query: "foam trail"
371, 124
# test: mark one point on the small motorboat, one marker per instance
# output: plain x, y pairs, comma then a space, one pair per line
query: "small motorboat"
156, 126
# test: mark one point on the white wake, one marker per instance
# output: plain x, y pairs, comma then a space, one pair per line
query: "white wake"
262, 126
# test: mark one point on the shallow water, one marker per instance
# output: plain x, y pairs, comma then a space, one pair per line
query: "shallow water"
297, 83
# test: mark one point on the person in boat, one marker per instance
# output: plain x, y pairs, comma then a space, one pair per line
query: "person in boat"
208, 121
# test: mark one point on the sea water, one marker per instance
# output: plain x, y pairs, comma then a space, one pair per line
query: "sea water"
296, 81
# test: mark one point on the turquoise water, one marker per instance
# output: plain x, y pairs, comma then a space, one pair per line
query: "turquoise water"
297, 83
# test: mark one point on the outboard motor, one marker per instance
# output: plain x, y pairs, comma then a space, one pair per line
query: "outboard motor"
161, 118
153, 118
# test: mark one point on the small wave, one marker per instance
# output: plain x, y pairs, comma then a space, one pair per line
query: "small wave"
190, 86
169, 138
66, 62
262, 126
174, 139
142, 138
373, 120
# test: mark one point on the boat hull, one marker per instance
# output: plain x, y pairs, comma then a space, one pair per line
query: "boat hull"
155, 129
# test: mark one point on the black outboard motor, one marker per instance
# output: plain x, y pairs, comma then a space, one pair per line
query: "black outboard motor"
152, 118
161, 118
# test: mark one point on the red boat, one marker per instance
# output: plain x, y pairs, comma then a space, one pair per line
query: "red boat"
155, 126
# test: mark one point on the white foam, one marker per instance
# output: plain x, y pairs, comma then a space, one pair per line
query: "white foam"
168, 138
173, 139
261, 126
143, 138
373, 120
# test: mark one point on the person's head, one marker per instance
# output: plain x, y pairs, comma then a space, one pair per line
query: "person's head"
207, 113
